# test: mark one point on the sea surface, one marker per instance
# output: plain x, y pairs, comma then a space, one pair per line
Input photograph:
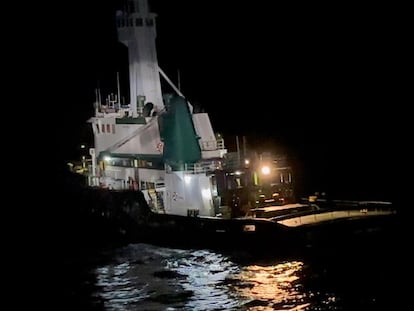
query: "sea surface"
356, 276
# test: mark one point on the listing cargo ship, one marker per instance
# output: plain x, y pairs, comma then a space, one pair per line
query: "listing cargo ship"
161, 173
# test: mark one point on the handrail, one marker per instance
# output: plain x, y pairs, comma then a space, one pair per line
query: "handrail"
196, 168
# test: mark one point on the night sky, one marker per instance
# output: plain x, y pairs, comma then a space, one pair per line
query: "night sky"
322, 83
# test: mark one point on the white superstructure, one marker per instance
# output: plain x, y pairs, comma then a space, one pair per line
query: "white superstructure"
128, 148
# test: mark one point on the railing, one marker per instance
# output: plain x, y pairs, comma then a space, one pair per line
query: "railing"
208, 145
197, 168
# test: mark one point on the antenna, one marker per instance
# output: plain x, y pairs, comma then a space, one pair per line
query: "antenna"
238, 149
98, 96
118, 89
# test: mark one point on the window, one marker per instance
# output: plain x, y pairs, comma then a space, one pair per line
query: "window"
108, 128
149, 22
113, 128
138, 22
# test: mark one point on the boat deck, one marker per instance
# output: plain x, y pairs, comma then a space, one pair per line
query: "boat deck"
317, 218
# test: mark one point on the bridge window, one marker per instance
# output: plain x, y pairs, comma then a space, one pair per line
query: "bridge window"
138, 22
108, 128
103, 128
113, 128
149, 22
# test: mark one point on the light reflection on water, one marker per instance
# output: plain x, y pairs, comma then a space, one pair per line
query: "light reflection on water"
205, 274
146, 277
273, 287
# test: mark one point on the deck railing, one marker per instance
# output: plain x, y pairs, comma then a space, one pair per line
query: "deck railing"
208, 145
197, 168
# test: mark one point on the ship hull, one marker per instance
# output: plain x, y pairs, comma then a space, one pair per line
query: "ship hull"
127, 213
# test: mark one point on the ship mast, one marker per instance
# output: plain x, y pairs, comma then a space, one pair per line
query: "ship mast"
136, 30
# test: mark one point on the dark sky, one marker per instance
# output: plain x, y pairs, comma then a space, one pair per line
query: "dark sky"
323, 83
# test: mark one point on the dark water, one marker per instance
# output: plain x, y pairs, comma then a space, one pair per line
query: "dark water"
146, 277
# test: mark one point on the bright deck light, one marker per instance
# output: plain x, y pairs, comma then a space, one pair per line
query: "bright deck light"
265, 170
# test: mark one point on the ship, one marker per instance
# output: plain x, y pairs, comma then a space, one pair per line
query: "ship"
160, 171
159, 145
